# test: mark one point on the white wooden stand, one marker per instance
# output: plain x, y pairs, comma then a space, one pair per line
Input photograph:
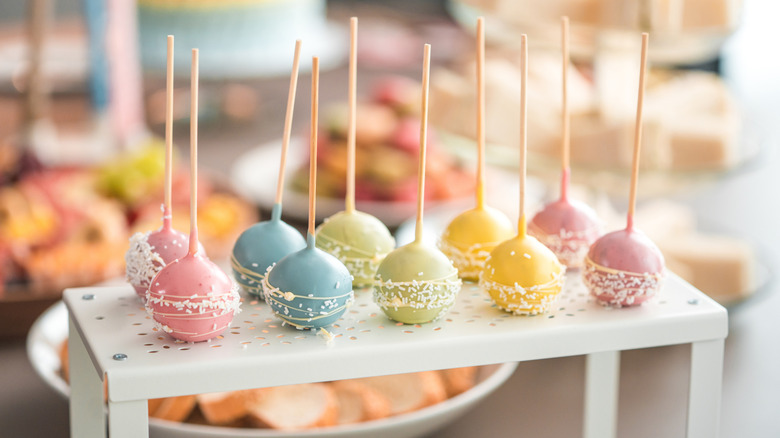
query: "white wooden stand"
111, 335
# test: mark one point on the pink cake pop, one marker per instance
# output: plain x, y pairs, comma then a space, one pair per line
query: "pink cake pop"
191, 299
149, 252
567, 227
625, 268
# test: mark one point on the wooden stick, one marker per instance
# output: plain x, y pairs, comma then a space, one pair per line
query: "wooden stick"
418, 229
521, 225
288, 121
350, 198
637, 133
565, 115
36, 96
168, 134
315, 96
480, 112
194, 154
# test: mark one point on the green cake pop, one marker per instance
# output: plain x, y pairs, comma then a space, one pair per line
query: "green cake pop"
357, 239
417, 283
265, 243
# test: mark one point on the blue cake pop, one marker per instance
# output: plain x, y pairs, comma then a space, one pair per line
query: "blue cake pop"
265, 243
309, 288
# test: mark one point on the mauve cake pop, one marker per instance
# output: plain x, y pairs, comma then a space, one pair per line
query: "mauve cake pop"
416, 283
150, 251
473, 234
360, 241
625, 267
521, 275
310, 288
191, 299
267, 242
567, 227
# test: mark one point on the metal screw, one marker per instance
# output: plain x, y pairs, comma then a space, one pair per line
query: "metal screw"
88, 297
120, 356
693, 301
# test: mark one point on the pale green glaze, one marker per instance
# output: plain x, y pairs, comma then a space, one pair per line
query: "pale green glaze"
359, 240
433, 292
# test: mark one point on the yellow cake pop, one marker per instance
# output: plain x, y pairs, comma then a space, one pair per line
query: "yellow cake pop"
470, 237
521, 275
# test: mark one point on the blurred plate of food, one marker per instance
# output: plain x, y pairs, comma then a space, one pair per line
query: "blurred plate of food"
387, 148
405, 405
69, 226
693, 128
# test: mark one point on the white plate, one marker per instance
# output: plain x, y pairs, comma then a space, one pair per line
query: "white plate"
254, 176
51, 329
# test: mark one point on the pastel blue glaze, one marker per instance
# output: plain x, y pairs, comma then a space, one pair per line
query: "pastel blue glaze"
320, 283
259, 247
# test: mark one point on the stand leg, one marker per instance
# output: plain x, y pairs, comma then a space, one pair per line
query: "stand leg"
705, 391
128, 419
86, 391
602, 372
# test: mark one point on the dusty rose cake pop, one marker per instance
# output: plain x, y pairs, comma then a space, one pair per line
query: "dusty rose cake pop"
567, 227
191, 299
473, 234
625, 268
150, 251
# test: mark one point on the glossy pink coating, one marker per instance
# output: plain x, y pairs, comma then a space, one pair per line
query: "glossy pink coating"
568, 228
624, 268
192, 299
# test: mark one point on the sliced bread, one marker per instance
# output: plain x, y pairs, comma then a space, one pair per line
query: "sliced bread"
359, 402
294, 407
408, 392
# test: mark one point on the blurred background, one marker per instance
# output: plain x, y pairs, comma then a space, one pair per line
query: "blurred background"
82, 97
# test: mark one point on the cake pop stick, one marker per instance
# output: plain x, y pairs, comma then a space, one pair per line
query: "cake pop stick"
521, 223
625, 267
565, 115
267, 242
167, 212
309, 288
288, 117
194, 154
315, 97
357, 239
352, 123
418, 229
480, 192
521, 275
470, 237
567, 227
637, 134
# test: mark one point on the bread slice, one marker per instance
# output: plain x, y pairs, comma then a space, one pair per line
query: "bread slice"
359, 402
459, 380
409, 392
175, 408
294, 407
223, 408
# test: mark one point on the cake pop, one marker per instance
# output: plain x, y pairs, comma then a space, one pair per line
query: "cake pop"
310, 288
191, 299
521, 275
149, 252
416, 283
470, 237
265, 243
357, 239
567, 227
625, 267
